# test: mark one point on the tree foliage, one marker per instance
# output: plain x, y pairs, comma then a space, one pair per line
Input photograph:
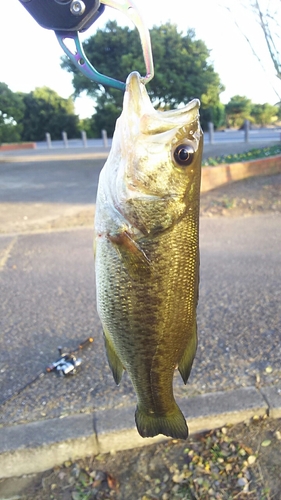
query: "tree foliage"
45, 111
238, 109
182, 69
27, 117
264, 114
11, 112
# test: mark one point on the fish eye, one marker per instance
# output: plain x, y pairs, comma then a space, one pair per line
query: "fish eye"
183, 155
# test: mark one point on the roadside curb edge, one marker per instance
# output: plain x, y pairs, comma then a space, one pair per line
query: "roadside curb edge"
38, 446
213, 177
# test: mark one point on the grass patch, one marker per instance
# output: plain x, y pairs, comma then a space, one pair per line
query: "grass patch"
253, 154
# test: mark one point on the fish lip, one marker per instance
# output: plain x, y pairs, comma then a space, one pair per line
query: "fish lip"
134, 82
136, 98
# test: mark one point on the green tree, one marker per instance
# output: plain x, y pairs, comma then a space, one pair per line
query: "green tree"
88, 125
238, 109
46, 111
264, 114
278, 105
182, 69
105, 116
214, 114
11, 112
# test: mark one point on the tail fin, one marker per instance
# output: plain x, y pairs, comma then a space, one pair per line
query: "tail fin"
172, 424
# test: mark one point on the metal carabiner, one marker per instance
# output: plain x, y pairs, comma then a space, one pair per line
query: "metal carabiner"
80, 60
130, 10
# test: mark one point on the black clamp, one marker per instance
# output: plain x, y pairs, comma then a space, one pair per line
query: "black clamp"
64, 15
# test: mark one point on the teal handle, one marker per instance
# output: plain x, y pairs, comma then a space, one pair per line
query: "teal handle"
81, 61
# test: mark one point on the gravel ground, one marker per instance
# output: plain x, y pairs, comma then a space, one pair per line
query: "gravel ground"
256, 195
251, 196
239, 462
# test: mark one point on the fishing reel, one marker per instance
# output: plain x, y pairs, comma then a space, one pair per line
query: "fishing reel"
67, 363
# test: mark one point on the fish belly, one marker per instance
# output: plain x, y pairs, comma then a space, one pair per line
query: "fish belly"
149, 318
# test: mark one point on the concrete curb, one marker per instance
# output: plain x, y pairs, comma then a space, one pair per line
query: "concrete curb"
38, 446
213, 177
18, 146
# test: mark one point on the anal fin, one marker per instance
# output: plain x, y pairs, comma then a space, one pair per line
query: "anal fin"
186, 361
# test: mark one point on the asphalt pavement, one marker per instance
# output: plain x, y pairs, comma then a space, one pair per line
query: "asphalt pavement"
48, 300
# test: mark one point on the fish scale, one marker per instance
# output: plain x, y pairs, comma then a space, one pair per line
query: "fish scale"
147, 257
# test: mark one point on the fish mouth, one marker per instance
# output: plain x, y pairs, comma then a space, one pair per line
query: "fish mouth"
137, 103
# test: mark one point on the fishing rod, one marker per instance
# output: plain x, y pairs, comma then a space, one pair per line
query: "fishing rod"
66, 364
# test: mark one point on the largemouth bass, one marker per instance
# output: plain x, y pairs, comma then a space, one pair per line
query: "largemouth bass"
147, 253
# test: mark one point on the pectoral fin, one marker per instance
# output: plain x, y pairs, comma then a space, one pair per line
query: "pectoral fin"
135, 260
113, 360
186, 361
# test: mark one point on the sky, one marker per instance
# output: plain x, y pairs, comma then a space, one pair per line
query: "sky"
30, 55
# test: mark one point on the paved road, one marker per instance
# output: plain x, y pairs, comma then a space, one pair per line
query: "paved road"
73, 154
48, 298
270, 134
35, 192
